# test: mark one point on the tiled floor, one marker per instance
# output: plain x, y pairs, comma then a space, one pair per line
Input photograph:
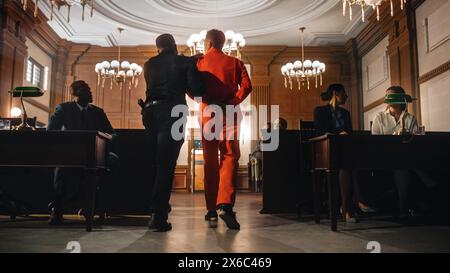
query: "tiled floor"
259, 233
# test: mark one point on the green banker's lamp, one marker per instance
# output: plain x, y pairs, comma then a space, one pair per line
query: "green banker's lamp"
25, 92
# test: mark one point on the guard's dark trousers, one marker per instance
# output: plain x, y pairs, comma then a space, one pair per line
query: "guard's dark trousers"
163, 154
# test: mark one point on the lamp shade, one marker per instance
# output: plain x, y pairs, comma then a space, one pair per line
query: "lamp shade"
125, 65
106, 65
203, 34
298, 65
134, 66
307, 64
229, 35
115, 64
27, 92
98, 67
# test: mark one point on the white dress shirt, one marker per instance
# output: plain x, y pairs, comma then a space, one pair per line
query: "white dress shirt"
385, 123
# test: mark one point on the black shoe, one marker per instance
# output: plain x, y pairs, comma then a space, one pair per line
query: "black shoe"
163, 227
407, 219
159, 223
55, 219
212, 218
211, 215
151, 222
229, 217
101, 219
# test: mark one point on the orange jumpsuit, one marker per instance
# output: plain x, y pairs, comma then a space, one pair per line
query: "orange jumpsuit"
227, 82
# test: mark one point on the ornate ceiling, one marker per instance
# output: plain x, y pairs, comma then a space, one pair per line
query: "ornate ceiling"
262, 22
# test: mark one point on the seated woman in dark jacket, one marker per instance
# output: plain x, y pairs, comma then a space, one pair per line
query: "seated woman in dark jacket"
333, 119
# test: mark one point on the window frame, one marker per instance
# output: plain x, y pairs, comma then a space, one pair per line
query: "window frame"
35, 64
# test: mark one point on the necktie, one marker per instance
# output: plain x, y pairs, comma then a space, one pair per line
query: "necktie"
84, 119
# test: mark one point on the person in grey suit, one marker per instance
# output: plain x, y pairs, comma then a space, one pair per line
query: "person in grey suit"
78, 115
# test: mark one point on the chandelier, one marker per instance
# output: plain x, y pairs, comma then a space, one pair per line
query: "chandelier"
234, 42
375, 4
303, 70
60, 3
120, 72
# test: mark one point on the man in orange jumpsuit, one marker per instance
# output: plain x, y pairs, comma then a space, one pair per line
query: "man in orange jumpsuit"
227, 83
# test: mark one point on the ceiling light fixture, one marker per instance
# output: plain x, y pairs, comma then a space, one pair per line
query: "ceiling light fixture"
303, 70
120, 72
375, 4
234, 43
61, 3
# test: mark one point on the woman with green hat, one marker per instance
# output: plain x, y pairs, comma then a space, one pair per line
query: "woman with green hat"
397, 121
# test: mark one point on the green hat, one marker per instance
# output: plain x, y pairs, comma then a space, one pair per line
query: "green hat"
400, 98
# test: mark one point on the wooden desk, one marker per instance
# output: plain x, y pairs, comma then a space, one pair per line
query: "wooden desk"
282, 174
59, 149
333, 153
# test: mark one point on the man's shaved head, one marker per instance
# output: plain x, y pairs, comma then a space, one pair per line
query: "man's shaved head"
216, 37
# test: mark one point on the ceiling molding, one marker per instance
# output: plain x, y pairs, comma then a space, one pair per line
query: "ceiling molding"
260, 21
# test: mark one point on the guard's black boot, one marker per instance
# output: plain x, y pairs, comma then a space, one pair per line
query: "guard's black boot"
227, 214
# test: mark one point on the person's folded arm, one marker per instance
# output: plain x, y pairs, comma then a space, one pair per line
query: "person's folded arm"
245, 86
195, 84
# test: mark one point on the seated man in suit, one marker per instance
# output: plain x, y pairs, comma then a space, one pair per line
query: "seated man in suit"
76, 115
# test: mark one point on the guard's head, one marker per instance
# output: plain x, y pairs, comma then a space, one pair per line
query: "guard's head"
214, 39
166, 42
82, 92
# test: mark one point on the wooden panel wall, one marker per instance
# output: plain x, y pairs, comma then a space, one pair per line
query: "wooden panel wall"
433, 46
15, 25
269, 89
298, 105
402, 51
119, 104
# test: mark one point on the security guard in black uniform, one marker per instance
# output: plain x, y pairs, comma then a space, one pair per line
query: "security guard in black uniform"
169, 77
